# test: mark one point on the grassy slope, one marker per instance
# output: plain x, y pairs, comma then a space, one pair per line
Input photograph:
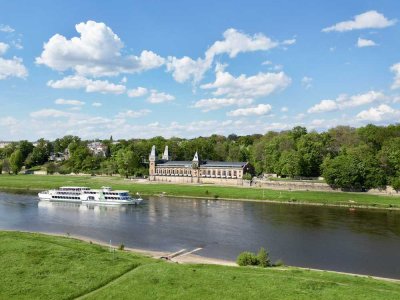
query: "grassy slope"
35, 266
45, 182
210, 191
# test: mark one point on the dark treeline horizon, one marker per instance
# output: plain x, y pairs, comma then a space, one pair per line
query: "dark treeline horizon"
364, 157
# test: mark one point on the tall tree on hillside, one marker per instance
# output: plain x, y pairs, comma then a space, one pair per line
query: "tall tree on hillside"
16, 161
25, 147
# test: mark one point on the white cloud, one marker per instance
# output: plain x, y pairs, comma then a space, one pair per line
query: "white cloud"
396, 70
3, 48
12, 68
79, 82
49, 112
289, 42
6, 28
377, 114
345, 101
284, 109
133, 113
96, 52
369, 19
365, 43
97, 104
324, 106
138, 92
69, 102
306, 82
259, 110
8, 121
216, 103
234, 42
255, 86
266, 63
186, 68
159, 97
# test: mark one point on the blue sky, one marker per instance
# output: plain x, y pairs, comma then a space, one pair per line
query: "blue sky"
174, 68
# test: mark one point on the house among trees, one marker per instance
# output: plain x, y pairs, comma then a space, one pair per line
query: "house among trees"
196, 171
98, 149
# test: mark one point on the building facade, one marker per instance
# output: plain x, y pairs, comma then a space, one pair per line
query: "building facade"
195, 171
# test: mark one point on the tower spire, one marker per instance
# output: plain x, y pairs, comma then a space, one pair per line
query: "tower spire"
166, 154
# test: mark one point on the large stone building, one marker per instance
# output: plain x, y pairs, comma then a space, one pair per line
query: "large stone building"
195, 171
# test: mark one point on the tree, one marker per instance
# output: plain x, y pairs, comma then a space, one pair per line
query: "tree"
16, 161
355, 168
290, 163
127, 162
25, 147
6, 165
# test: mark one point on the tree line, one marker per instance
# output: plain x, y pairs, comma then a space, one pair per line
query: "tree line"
352, 158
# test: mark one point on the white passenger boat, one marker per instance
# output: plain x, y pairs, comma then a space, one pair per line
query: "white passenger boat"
83, 195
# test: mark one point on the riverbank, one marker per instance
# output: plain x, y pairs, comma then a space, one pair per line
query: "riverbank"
37, 266
213, 192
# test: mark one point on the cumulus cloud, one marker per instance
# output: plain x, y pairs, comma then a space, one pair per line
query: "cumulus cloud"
138, 92
367, 20
49, 112
324, 106
3, 48
284, 109
259, 110
133, 113
6, 28
365, 43
8, 121
345, 101
377, 114
69, 102
262, 84
233, 43
97, 104
159, 97
216, 103
81, 82
12, 68
96, 52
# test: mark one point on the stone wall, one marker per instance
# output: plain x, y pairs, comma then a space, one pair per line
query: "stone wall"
313, 186
189, 179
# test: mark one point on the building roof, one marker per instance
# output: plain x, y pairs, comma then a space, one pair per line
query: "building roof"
204, 164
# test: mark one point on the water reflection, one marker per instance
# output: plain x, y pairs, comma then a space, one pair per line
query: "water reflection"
359, 241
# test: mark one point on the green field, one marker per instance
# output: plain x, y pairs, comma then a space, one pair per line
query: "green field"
36, 182
36, 266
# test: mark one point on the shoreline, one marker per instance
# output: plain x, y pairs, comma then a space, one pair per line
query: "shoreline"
191, 258
285, 202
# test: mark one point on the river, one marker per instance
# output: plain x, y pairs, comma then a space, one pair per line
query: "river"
357, 241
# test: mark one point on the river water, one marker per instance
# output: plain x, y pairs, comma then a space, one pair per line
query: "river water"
357, 241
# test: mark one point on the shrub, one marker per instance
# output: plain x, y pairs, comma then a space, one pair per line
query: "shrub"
247, 259
263, 258
279, 263
396, 183
121, 247
247, 176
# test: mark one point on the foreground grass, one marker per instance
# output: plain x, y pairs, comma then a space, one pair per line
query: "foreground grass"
213, 192
35, 266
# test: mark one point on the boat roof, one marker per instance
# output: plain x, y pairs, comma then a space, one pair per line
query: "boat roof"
74, 187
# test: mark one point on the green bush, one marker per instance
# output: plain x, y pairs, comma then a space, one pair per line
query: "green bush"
247, 259
121, 247
396, 183
247, 176
263, 258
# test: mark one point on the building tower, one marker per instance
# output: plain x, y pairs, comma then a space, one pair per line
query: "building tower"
195, 168
152, 162
166, 154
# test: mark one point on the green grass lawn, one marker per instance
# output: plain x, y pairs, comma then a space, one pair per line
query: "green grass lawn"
35, 266
38, 182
